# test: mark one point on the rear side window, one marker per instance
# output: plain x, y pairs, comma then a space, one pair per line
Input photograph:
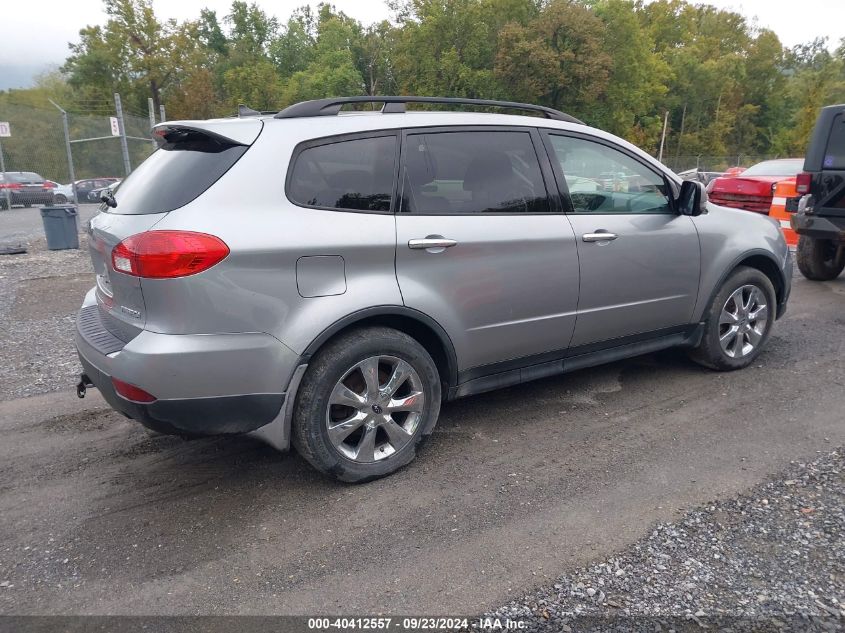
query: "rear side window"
472, 172
834, 156
181, 169
355, 175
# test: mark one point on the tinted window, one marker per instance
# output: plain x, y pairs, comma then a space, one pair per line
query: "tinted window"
472, 172
834, 157
23, 177
601, 179
179, 171
775, 168
356, 174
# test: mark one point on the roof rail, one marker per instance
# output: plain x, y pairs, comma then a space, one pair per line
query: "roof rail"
396, 104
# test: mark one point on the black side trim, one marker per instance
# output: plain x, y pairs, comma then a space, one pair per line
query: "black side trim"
537, 366
389, 310
194, 416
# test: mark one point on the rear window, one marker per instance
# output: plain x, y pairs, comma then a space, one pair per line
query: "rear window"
834, 156
775, 168
183, 167
355, 175
24, 177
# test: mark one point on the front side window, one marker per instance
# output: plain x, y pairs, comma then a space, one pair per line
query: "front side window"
472, 172
601, 179
355, 174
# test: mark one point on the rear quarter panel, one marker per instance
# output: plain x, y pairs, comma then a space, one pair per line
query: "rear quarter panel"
727, 237
255, 288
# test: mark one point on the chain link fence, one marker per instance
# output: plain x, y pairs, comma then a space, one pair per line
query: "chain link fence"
715, 163
95, 145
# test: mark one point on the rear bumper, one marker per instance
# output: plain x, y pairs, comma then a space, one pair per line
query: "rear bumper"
204, 384
191, 416
819, 226
32, 197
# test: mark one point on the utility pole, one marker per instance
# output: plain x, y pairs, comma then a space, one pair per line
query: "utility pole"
681, 133
151, 107
68, 150
663, 136
123, 144
162, 115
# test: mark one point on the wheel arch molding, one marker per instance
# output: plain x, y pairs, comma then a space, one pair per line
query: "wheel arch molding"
765, 262
427, 331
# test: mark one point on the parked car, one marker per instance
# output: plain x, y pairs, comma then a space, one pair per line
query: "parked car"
86, 186
25, 188
753, 188
704, 177
820, 219
340, 309
62, 194
95, 195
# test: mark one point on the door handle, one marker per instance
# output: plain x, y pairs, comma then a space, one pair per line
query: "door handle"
599, 236
431, 242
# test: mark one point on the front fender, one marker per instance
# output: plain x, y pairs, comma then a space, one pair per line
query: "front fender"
730, 237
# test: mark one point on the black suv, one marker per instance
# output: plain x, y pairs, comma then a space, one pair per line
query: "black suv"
820, 220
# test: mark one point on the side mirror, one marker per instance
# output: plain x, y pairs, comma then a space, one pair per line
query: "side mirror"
693, 198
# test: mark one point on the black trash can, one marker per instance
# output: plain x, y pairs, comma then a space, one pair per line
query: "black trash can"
61, 226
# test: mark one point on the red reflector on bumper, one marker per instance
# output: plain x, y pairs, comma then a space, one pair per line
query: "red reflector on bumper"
131, 392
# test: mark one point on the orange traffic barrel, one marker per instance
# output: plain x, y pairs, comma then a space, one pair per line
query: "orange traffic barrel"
784, 204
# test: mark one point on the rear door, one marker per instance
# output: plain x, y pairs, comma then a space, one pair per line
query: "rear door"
481, 246
639, 258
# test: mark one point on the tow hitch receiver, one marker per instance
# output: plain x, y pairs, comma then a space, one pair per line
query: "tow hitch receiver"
83, 384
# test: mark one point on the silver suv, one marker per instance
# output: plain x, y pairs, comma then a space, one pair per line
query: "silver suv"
330, 278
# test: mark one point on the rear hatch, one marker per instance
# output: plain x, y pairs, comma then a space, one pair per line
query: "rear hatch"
190, 158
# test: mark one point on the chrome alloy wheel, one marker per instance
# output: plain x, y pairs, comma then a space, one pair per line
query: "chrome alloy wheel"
743, 321
374, 409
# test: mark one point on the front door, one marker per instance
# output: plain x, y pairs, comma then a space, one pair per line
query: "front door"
639, 258
482, 248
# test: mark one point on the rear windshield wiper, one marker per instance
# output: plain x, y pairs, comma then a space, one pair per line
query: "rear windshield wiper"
108, 197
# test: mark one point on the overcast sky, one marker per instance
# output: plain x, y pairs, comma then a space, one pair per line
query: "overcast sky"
34, 35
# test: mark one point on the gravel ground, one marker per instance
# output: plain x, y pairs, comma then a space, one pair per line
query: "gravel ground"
772, 559
40, 292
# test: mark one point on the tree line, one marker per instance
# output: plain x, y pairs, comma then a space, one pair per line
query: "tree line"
728, 86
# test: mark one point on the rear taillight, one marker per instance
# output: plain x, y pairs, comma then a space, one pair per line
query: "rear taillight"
10, 185
167, 254
131, 392
48, 185
803, 182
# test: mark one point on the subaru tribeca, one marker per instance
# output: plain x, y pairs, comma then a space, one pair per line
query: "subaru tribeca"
393, 260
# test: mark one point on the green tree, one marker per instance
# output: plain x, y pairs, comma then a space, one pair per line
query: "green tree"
558, 59
134, 54
638, 76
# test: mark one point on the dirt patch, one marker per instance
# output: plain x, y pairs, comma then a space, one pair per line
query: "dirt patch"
94, 420
46, 297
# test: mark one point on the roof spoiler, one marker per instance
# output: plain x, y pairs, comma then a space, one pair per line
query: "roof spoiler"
227, 132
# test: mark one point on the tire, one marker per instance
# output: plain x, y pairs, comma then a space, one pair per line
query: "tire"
366, 441
817, 259
724, 348
60, 199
